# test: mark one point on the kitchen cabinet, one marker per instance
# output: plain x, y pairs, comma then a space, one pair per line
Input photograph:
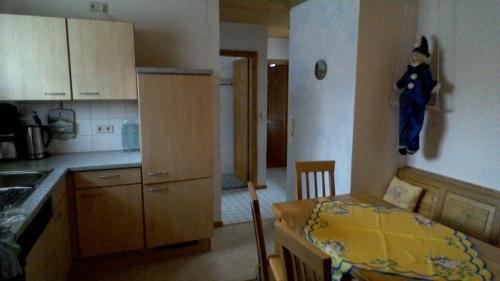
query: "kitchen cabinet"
176, 139
176, 121
110, 219
50, 257
33, 58
178, 211
102, 60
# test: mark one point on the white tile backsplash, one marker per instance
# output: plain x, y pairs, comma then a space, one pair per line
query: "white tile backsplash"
117, 110
99, 110
89, 114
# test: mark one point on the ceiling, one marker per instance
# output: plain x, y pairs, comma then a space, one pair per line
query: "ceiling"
275, 14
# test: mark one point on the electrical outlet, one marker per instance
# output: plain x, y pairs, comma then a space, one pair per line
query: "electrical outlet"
105, 129
98, 7
109, 129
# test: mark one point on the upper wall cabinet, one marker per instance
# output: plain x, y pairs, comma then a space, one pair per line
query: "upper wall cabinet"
102, 59
33, 58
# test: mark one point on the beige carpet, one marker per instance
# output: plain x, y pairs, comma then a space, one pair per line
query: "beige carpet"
233, 258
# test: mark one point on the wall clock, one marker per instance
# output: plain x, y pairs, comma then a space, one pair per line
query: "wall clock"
320, 69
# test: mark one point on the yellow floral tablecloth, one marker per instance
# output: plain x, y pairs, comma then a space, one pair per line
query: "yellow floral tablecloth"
393, 241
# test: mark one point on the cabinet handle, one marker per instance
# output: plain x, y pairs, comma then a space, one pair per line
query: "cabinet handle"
109, 176
89, 93
155, 189
55, 94
91, 195
154, 174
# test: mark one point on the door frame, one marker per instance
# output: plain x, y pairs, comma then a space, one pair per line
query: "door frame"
252, 103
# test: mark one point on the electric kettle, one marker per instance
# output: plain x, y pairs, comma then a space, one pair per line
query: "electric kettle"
38, 138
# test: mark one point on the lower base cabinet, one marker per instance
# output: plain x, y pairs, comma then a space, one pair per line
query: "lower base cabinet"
50, 257
178, 212
110, 219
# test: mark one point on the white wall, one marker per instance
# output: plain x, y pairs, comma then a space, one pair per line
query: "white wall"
246, 37
463, 140
375, 157
322, 110
278, 48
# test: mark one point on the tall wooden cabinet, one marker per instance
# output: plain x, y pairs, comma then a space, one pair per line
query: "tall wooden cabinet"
33, 58
176, 146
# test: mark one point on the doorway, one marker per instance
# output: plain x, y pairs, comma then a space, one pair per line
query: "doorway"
238, 118
277, 123
277, 112
238, 100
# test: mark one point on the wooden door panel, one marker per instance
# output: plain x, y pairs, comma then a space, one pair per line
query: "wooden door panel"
109, 219
241, 114
277, 110
102, 59
33, 58
176, 126
178, 212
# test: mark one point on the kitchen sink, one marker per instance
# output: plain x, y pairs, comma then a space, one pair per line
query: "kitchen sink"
17, 186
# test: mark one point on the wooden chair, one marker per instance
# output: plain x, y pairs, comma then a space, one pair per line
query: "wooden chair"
302, 260
315, 168
268, 266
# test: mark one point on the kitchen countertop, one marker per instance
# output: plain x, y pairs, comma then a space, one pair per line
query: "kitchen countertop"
61, 164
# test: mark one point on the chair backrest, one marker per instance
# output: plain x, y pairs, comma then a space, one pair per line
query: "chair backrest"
315, 168
259, 233
302, 260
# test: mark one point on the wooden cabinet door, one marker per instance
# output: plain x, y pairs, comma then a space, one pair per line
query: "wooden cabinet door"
109, 219
61, 242
50, 257
102, 59
277, 104
178, 212
33, 58
39, 260
176, 127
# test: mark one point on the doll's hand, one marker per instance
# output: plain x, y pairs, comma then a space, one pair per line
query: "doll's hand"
395, 88
436, 88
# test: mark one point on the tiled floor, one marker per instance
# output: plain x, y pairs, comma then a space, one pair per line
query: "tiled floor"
236, 204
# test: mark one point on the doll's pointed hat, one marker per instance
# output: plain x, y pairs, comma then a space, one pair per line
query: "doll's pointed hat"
423, 48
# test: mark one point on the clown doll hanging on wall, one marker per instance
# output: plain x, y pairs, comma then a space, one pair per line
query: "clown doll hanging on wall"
415, 89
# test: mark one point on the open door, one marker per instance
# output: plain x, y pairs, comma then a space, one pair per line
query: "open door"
277, 111
241, 114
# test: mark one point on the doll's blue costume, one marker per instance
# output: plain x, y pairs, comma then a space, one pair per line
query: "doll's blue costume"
416, 85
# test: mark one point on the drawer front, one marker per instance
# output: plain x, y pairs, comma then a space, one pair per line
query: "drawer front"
107, 178
468, 215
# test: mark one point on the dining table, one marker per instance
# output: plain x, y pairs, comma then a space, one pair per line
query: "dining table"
297, 214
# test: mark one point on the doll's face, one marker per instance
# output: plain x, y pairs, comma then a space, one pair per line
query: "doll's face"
416, 59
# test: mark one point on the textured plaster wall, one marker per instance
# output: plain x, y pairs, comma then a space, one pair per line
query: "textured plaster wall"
462, 140
321, 111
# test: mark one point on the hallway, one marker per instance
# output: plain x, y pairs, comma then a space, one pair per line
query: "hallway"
236, 204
